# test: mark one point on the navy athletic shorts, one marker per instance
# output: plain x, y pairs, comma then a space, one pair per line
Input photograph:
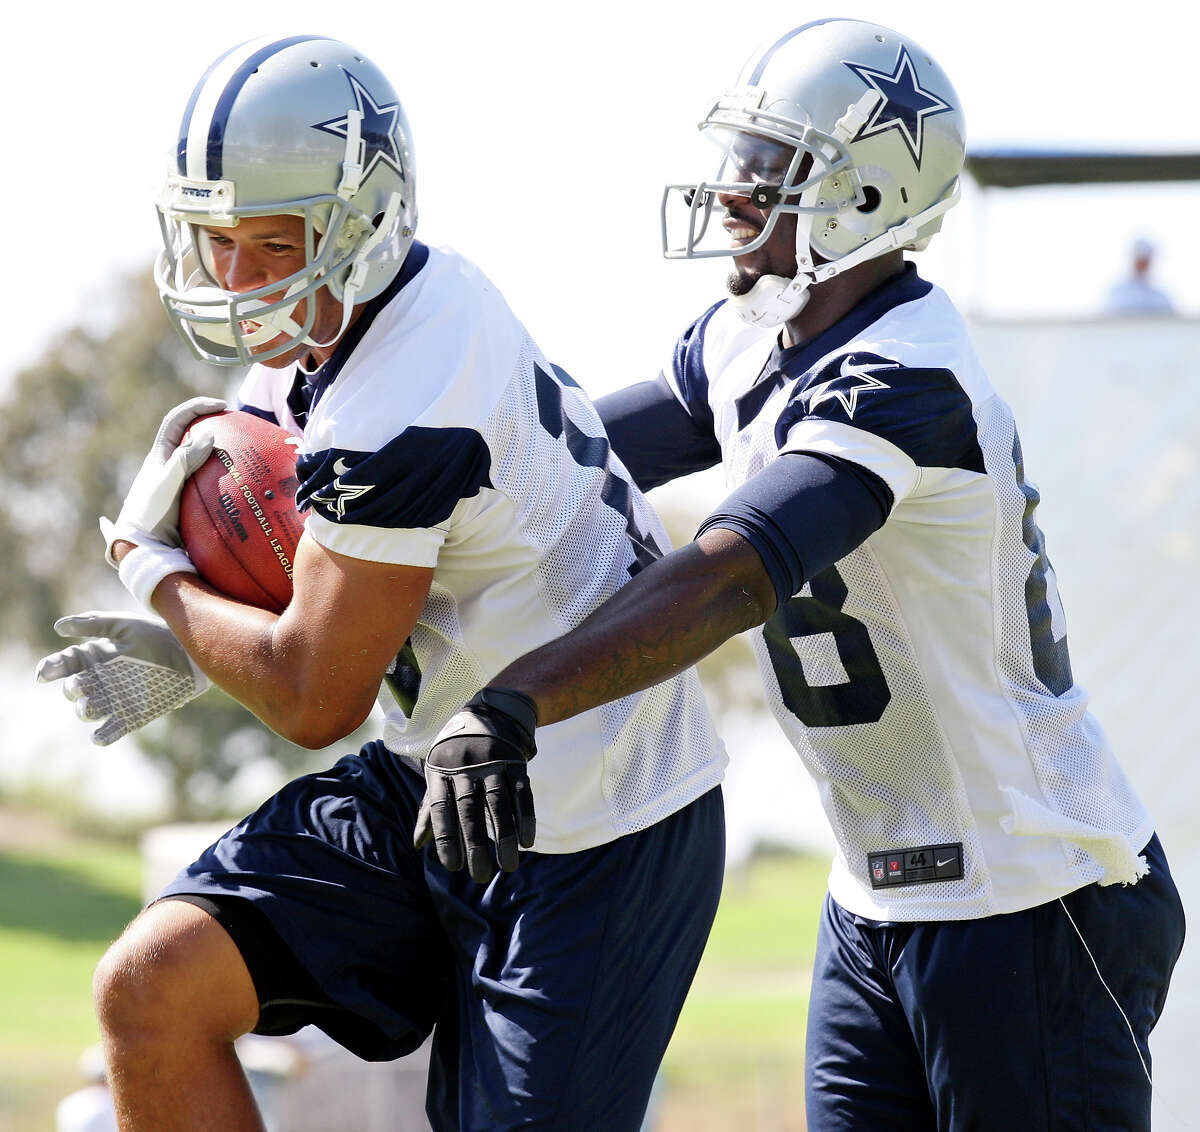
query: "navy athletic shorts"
552, 991
994, 1024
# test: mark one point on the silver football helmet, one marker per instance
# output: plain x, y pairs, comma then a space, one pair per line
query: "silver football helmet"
302, 126
852, 127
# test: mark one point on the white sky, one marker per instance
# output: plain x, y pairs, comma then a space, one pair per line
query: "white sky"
544, 136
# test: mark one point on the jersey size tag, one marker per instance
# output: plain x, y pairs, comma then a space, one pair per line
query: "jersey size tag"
920, 865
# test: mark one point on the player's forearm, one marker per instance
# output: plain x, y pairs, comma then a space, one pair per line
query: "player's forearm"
245, 652
671, 615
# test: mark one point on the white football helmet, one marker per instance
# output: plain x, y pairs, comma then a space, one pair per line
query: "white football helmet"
303, 126
852, 127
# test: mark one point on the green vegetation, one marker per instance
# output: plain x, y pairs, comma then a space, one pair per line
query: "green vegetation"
737, 1051
736, 1060
62, 900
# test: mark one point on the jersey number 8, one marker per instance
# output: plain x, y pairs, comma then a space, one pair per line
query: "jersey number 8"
864, 695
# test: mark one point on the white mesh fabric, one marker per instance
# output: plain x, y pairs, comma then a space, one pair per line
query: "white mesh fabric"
659, 746
523, 562
536, 540
582, 550
1075, 770
659, 741
437, 642
938, 709
891, 784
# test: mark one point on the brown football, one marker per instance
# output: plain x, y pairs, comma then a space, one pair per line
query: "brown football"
237, 514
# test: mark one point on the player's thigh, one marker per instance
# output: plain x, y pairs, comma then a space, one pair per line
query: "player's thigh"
572, 972
175, 967
862, 1067
1023, 1024
327, 901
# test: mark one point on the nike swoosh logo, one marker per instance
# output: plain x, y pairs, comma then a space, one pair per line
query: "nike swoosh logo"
849, 369
863, 375
340, 467
943, 864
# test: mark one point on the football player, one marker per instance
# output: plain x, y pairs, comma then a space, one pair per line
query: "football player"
1001, 924
461, 508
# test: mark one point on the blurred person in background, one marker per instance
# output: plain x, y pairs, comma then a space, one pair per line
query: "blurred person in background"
1136, 294
89, 1109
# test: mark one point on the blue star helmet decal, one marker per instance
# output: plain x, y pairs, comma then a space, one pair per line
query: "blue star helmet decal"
905, 104
378, 129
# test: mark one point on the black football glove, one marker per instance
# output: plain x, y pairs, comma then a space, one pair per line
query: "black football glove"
476, 788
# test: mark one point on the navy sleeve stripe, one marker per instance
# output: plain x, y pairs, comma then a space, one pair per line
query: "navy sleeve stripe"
925, 413
690, 375
803, 513
653, 434
414, 481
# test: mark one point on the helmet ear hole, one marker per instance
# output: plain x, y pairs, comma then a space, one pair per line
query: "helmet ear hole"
871, 199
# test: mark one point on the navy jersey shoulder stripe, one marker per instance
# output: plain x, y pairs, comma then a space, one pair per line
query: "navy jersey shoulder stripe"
786, 363
688, 365
414, 481
924, 412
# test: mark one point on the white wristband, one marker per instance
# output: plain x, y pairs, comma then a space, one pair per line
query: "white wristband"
147, 564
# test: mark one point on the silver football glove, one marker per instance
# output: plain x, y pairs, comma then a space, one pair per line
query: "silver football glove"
130, 671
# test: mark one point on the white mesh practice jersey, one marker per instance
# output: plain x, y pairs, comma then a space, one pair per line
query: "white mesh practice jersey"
437, 435
924, 678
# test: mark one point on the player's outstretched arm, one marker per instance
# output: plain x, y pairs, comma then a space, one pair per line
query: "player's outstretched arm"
126, 670
674, 613
800, 514
669, 617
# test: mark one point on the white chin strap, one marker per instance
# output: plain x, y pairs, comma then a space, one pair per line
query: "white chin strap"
772, 300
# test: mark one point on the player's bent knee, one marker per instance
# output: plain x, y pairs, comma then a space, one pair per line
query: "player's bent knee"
175, 968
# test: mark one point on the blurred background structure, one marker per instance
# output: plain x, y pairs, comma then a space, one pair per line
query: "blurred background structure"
543, 139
